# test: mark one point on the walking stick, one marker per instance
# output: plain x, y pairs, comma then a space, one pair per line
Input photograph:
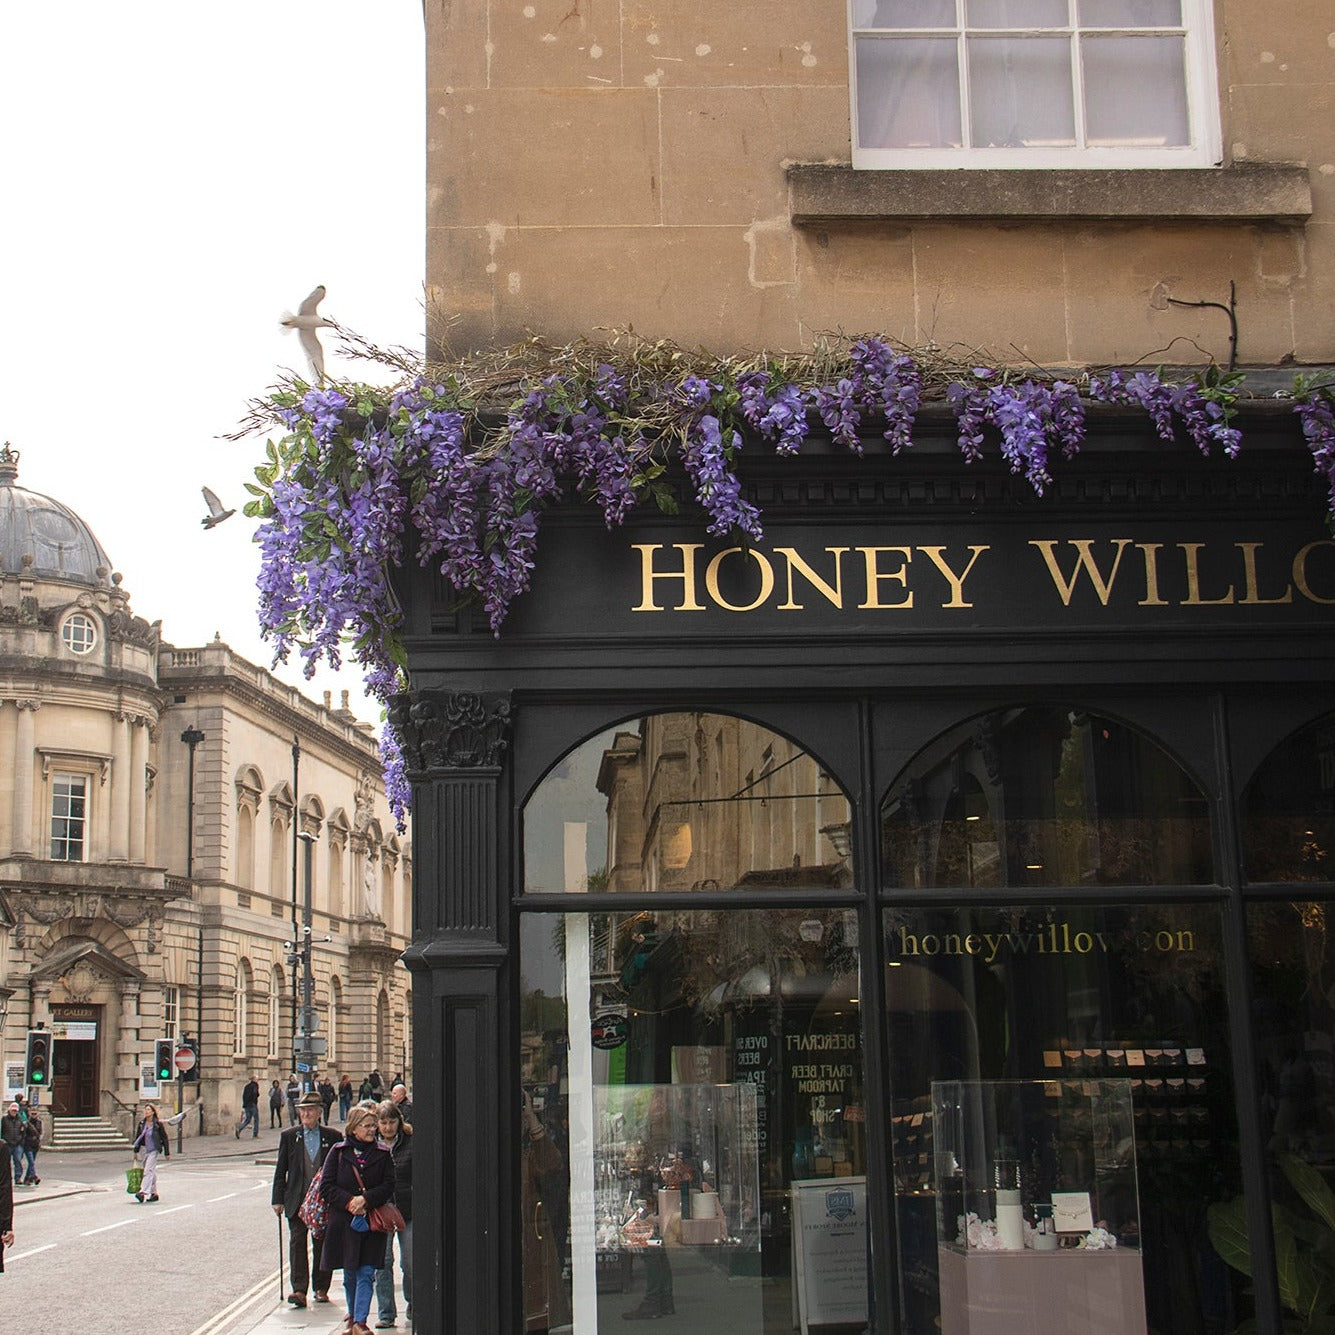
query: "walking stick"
281, 1294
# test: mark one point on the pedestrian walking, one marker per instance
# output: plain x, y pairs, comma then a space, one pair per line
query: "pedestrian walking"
326, 1098
293, 1094
358, 1176
6, 1217
11, 1136
32, 1142
275, 1106
301, 1154
344, 1096
150, 1140
398, 1091
396, 1135
250, 1106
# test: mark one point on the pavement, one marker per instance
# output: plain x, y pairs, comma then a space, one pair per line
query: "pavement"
66, 1174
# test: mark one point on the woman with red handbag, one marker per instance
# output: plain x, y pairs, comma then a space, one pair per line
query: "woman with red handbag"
358, 1178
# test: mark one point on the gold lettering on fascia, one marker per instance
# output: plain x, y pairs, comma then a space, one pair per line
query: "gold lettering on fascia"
893, 578
1100, 564
669, 571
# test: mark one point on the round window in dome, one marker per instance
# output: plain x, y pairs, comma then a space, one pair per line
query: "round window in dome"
79, 633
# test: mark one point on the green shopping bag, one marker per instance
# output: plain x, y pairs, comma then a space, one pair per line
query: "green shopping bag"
134, 1179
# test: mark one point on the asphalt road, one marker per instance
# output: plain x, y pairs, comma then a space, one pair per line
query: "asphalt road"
204, 1261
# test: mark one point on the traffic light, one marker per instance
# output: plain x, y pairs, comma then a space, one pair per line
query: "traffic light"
162, 1060
39, 1058
191, 1072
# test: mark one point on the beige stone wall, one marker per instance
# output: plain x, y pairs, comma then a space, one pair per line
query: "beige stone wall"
612, 163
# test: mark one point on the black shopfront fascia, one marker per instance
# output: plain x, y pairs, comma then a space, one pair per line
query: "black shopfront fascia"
891, 599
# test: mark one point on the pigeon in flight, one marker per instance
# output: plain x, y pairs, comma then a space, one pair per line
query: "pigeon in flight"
216, 512
306, 322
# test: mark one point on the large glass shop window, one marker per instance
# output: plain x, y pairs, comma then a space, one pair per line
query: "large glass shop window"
1293, 994
693, 1078
1288, 811
686, 801
1062, 1118
1045, 796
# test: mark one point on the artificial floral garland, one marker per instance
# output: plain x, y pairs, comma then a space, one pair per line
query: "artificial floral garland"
470, 456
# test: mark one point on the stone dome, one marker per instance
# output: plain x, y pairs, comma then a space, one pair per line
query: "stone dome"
44, 539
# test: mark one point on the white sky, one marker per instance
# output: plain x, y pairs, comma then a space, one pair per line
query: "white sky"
176, 176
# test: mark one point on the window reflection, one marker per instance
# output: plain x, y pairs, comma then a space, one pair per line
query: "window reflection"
1293, 994
1045, 796
683, 1070
1083, 997
686, 801
1289, 810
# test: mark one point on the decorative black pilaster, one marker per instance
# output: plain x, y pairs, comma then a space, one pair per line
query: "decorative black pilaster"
465, 1271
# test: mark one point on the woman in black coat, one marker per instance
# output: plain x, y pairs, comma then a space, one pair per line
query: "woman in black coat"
357, 1254
6, 1214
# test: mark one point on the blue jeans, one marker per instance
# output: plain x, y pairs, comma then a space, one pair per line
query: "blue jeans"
31, 1157
357, 1286
384, 1279
16, 1153
250, 1114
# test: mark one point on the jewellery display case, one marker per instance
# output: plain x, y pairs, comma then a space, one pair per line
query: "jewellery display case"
1038, 1213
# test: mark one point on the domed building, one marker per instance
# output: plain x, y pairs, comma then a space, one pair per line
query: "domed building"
171, 820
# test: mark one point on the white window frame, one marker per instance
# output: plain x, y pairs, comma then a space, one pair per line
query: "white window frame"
70, 777
171, 1012
241, 1014
78, 633
275, 1017
1202, 91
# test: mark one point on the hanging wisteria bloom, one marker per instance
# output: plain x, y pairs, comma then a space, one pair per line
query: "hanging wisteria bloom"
360, 473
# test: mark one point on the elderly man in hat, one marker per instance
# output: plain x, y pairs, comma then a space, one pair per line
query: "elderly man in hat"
301, 1153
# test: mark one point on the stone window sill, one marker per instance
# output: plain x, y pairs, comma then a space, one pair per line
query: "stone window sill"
821, 193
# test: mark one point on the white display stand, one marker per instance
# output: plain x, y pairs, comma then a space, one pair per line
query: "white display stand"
1069, 1292
830, 1251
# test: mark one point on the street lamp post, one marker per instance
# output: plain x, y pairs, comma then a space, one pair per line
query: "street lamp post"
306, 1044
192, 738
295, 957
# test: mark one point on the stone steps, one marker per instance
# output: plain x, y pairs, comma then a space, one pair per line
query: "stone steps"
85, 1133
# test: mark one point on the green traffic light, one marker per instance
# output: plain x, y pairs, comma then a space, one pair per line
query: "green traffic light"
38, 1077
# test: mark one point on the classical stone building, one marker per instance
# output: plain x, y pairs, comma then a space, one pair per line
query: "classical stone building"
156, 804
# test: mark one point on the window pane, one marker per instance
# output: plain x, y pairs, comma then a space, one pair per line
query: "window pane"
686, 802
1020, 92
683, 1070
908, 93
1078, 996
1293, 979
904, 13
1288, 820
1135, 92
1130, 13
1045, 796
1016, 14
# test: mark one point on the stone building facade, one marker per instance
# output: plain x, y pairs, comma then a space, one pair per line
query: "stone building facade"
117, 899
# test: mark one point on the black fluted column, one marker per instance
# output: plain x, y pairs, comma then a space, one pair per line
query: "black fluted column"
465, 1276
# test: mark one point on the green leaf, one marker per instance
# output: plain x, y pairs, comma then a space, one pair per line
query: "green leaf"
1286, 1262
1311, 1186
1226, 1222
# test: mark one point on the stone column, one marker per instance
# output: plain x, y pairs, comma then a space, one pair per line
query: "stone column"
8, 773
130, 1048
25, 743
453, 746
138, 790
121, 783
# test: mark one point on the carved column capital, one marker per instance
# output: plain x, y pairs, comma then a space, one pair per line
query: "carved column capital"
450, 730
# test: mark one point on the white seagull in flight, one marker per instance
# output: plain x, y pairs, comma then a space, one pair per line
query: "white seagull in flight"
306, 322
217, 511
